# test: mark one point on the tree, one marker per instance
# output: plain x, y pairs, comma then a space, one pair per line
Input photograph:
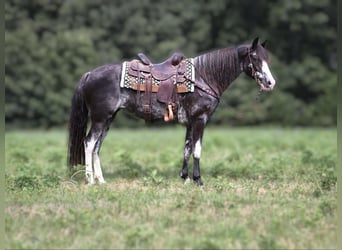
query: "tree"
51, 43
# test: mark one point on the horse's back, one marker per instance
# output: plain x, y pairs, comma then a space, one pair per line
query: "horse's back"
103, 77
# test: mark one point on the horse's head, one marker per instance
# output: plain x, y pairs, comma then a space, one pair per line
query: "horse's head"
254, 62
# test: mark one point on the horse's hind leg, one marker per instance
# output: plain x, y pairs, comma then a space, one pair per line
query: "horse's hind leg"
97, 165
92, 146
89, 146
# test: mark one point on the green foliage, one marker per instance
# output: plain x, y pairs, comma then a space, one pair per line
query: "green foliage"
153, 179
32, 183
50, 44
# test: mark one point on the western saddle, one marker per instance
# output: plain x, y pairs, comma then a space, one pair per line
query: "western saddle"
166, 79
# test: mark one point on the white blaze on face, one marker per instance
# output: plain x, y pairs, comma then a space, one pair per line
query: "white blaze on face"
267, 72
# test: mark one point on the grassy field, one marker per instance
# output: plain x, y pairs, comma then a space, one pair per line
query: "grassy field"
264, 188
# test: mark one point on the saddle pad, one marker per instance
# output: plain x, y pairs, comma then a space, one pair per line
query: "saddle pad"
130, 80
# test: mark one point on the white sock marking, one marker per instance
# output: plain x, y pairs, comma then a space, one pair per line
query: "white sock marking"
197, 150
187, 181
89, 147
97, 169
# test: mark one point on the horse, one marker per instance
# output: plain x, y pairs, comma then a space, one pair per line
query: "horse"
98, 96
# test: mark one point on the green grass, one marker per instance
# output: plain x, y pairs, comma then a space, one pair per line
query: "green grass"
264, 188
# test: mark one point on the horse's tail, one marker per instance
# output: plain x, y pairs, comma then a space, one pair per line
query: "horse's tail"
77, 125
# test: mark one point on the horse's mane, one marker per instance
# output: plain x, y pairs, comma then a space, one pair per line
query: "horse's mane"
219, 67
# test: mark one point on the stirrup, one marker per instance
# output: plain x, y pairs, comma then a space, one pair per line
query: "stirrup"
168, 115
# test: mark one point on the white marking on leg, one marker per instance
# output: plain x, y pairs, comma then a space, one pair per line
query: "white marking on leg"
267, 72
187, 181
187, 149
97, 169
197, 149
89, 148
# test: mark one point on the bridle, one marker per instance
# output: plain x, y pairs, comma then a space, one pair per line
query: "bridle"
255, 73
251, 65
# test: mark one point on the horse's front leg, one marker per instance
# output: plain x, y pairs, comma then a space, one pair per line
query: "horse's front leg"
197, 135
187, 153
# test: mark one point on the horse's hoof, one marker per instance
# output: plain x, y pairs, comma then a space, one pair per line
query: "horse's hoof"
187, 181
100, 180
198, 182
183, 176
89, 183
89, 179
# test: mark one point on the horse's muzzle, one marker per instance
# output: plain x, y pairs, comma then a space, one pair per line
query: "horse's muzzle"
264, 83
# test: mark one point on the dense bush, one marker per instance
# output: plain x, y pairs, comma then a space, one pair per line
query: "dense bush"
49, 44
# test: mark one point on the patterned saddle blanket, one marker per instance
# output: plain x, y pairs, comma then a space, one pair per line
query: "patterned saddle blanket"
137, 75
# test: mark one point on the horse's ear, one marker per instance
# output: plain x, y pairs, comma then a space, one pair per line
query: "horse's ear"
255, 43
263, 44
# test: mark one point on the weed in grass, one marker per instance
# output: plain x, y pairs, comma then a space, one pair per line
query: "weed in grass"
153, 179
327, 208
77, 174
139, 236
207, 244
26, 182
128, 167
31, 183
327, 171
20, 156
268, 242
324, 168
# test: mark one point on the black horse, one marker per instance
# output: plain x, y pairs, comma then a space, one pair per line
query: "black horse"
99, 94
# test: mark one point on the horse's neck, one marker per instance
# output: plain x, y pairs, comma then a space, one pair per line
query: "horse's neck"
218, 68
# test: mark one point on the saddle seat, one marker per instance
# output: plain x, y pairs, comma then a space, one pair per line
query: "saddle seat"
174, 60
166, 69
